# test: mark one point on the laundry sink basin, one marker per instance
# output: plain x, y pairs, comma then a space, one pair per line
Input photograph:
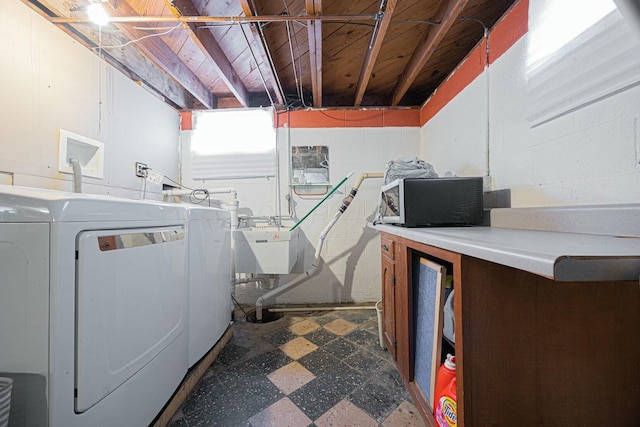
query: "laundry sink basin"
267, 250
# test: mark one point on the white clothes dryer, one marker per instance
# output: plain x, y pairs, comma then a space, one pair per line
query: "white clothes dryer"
209, 256
93, 305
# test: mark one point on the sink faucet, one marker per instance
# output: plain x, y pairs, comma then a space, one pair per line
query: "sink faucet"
272, 220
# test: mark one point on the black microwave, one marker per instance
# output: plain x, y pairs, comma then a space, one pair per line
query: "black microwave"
424, 202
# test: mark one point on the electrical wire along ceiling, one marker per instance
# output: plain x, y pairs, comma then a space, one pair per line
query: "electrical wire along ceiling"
208, 54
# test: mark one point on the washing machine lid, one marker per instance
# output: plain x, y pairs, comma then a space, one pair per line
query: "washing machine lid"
205, 212
26, 204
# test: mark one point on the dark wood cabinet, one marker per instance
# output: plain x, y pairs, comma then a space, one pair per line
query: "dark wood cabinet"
529, 350
394, 300
388, 295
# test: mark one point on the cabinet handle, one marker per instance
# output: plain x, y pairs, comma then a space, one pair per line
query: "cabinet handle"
385, 247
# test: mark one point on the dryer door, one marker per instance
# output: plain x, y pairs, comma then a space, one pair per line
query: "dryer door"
130, 305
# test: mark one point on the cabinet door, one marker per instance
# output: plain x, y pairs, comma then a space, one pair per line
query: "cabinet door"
388, 305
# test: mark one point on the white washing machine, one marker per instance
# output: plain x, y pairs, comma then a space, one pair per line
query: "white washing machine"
209, 256
93, 307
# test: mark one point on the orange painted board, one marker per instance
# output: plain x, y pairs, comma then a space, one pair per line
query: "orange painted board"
471, 67
283, 118
325, 118
298, 119
363, 119
401, 118
186, 120
348, 118
507, 31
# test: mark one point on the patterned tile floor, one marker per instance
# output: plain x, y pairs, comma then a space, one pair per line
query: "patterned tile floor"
318, 368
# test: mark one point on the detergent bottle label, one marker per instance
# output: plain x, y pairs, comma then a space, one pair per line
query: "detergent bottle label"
446, 415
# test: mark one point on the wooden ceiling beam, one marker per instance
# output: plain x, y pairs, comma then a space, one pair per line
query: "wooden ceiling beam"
260, 48
379, 31
157, 51
445, 16
126, 59
314, 32
209, 46
227, 19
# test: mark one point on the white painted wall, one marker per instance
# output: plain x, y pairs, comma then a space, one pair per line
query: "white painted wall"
351, 252
589, 156
48, 82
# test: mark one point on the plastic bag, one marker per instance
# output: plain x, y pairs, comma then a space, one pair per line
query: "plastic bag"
404, 167
408, 167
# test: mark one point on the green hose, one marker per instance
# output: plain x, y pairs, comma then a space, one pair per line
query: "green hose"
321, 201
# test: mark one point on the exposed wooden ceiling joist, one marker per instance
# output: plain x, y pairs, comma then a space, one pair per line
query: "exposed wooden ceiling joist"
212, 50
379, 31
237, 53
314, 31
445, 17
157, 50
260, 46
127, 59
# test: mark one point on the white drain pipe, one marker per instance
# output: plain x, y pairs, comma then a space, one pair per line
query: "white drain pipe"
295, 282
77, 174
336, 308
185, 192
232, 207
316, 260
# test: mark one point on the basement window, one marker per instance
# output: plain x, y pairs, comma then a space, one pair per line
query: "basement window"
232, 144
579, 52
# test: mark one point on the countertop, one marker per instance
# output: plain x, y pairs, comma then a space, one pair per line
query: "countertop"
556, 255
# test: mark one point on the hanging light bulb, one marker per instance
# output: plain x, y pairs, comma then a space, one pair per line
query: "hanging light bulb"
97, 14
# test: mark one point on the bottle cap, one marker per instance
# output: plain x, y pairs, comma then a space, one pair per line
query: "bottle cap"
450, 362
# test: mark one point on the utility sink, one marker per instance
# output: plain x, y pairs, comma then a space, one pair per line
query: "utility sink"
267, 250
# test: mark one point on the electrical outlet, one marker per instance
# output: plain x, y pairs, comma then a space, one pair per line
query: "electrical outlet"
141, 170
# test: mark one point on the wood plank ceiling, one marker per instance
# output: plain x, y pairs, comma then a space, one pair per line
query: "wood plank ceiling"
207, 54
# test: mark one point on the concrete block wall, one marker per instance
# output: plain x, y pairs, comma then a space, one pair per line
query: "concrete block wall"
350, 271
351, 252
585, 157
53, 82
588, 156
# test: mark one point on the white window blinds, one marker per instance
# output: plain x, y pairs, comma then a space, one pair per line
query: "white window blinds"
227, 144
